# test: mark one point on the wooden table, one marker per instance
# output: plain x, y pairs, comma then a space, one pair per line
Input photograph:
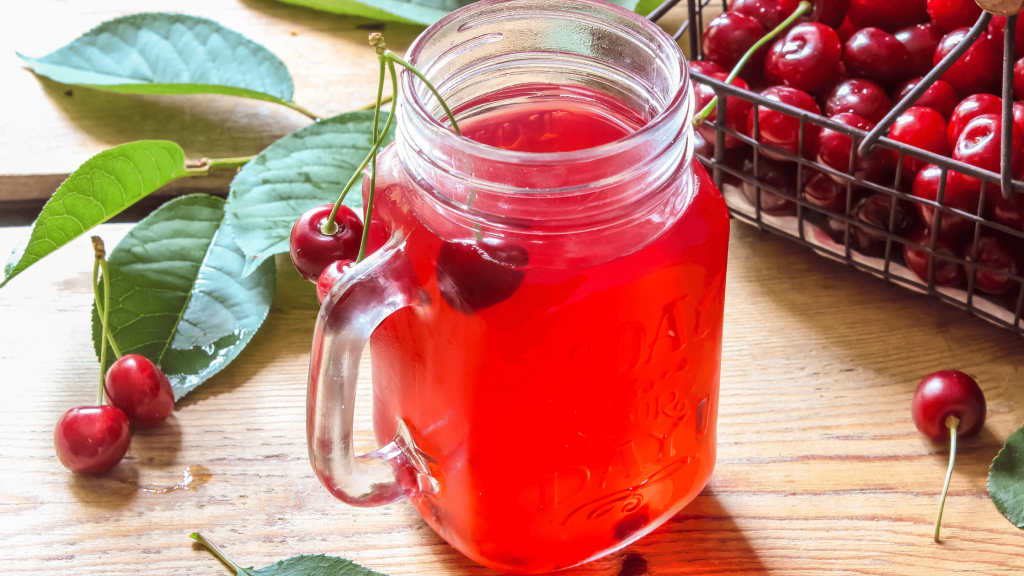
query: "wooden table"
820, 468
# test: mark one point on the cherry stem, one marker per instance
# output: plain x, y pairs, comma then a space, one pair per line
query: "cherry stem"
207, 164
101, 308
216, 552
301, 110
385, 66
803, 7
951, 422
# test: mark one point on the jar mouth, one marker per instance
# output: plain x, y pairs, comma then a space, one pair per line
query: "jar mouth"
421, 103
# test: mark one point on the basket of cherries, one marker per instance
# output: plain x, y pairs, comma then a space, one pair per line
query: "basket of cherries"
882, 133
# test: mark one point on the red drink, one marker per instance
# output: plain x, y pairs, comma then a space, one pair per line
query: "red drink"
579, 413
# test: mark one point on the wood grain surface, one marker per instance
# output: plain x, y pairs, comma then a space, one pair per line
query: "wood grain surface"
820, 469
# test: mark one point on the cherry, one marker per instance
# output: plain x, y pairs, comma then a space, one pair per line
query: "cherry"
948, 403
940, 96
991, 252
91, 439
329, 277
947, 272
312, 250
1018, 115
997, 32
780, 176
873, 213
831, 13
834, 150
968, 109
1006, 212
780, 130
958, 194
737, 110
473, 276
767, 12
821, 190
874, 53
772, 74
887, 14
806, 57
923, 128
921, 40
949, 15
729, 36
704, 67
1018, 78
861, 97
976, 69
136, 386
979, 145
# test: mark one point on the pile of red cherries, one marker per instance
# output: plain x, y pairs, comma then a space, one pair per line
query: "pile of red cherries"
851, 60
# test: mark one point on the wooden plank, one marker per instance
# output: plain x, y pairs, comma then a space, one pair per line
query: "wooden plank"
820, 469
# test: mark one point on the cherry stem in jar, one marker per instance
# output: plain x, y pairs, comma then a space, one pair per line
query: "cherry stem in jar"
217, 552
951, 422
104, 312
802, 8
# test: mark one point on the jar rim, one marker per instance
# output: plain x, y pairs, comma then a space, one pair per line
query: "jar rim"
484, 151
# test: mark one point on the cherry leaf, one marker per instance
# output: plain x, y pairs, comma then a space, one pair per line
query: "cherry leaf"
162, 53
98, 190
307, 565
177, 293
307, 168
1006, 479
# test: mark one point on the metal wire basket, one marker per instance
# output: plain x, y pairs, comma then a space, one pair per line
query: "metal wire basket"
773, 195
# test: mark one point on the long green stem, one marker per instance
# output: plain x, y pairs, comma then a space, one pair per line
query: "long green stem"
451, 117
100, 308
803, 7
390, 68
216, 551
101, 261
952, 422
301, 110
207, 164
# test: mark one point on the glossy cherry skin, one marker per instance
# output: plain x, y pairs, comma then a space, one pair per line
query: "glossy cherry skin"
91, 439
976, 69
968, 109
948, 15
1006, 212
887, 14
922, 128
780, 176
767, 12
1018, 115
861, 97
944, 394
780, 130
807, 56
821, 190
831, 13
728, 37
948, 273
874, 212
473, 276
992, 252
876, 54
834, 150
737, 110
1018, 78
979, 145
704, 67
312, 251
997, 32
940, 96
136, 386
329, 277
920, 40
958, 194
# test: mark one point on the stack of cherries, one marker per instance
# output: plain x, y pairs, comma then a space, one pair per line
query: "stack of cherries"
850, 60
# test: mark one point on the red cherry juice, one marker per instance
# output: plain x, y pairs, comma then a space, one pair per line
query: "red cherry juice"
579, 413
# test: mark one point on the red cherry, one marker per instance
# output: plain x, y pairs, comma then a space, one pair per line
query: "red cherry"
829, 12
780, 130
874, 212
979, 145
1018, 77
329, 277
780, 176
472, 276
923, 128
997, 32
704, 67
1018, 115
737, 110
991, 252
940, 96
861, 97
921, 40
767, 12
976, 69
136, 386
958, 194
91, 439
952, 14
729, 36
947, 272
312, 250
807, 56
1006, 212
821, 190
944, 394
968, 109
874, 53
834, 150
887, 14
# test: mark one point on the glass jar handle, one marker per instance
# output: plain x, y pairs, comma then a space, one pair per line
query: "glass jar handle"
362, 298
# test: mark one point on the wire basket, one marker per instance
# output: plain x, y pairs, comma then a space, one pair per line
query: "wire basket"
880, 224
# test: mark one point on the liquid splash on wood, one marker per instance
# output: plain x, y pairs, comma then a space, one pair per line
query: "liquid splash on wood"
192, 477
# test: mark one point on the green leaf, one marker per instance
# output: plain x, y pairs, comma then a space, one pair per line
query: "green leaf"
177, 292
161, 53
318, 565
409, 11
98, 190
1006, 479
300, 171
